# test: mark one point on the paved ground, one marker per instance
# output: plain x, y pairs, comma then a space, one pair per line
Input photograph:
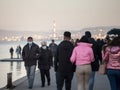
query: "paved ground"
101, 83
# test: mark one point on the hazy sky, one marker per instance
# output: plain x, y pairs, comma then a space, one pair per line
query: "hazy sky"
39, 15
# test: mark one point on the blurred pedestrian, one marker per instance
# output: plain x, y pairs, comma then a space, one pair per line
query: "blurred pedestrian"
30, 55
53, 48
18, 52
11, 52
72, 41
76, 41
111, 55
20, 49
44, 63
63, 67
97, 57
82, 56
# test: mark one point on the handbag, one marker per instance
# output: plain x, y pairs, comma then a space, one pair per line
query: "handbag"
102, 68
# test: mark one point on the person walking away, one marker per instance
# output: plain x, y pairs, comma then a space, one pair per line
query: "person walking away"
100, 44
76, 41
63, 67
30, 55
17, 52
44, 63
111, 55
11, 52
82, 56
53, 48
97, 57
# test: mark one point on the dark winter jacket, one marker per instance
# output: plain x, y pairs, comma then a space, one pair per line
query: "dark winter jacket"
45, 59
95, 47
53, 48
62, 58
30, 56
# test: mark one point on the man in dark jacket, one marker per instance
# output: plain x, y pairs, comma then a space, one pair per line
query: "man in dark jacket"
53, 48
63, 67
95, 64
30, 54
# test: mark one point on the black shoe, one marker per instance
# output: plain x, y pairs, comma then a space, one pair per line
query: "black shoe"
30, 87
48, 83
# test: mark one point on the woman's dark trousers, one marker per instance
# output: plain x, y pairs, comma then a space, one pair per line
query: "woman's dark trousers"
44, 73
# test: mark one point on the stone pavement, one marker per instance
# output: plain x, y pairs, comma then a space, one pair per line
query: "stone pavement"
101, 83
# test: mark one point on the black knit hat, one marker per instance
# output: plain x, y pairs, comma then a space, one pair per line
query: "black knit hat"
88, 34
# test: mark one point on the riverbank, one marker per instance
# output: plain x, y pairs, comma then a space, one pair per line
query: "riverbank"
15, 83
16, 67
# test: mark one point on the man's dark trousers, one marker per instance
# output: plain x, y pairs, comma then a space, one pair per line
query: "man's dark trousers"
64, 76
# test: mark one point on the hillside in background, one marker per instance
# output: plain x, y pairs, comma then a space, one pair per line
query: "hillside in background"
8, 35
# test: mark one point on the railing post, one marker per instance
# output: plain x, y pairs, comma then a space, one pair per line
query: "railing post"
9, 80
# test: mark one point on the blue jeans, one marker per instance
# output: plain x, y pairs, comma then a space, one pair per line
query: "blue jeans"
114, 78
91, 81
30, 74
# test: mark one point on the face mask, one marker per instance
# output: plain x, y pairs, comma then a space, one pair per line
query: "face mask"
29, 42
44, 47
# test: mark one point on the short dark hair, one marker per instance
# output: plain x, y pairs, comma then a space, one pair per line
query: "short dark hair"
67, 34
52, 40
30, 37
88, 34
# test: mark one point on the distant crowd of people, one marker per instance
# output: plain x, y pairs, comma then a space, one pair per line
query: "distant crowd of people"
82, 57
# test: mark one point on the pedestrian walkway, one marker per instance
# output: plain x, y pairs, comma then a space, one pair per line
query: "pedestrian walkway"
101, 83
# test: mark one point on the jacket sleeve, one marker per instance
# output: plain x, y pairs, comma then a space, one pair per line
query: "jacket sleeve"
73, 56
37, 52
23, 54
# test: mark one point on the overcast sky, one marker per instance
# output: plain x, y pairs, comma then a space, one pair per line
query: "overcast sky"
38, 15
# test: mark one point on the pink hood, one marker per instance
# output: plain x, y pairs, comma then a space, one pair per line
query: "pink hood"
84, 44
82, 54
113, 56
115, 50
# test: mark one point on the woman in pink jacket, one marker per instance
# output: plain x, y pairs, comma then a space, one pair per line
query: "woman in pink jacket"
83, 55
111, 55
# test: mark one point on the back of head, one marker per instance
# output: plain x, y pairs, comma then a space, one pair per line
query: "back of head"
115, 41
88, 34
67, 34
53, 40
